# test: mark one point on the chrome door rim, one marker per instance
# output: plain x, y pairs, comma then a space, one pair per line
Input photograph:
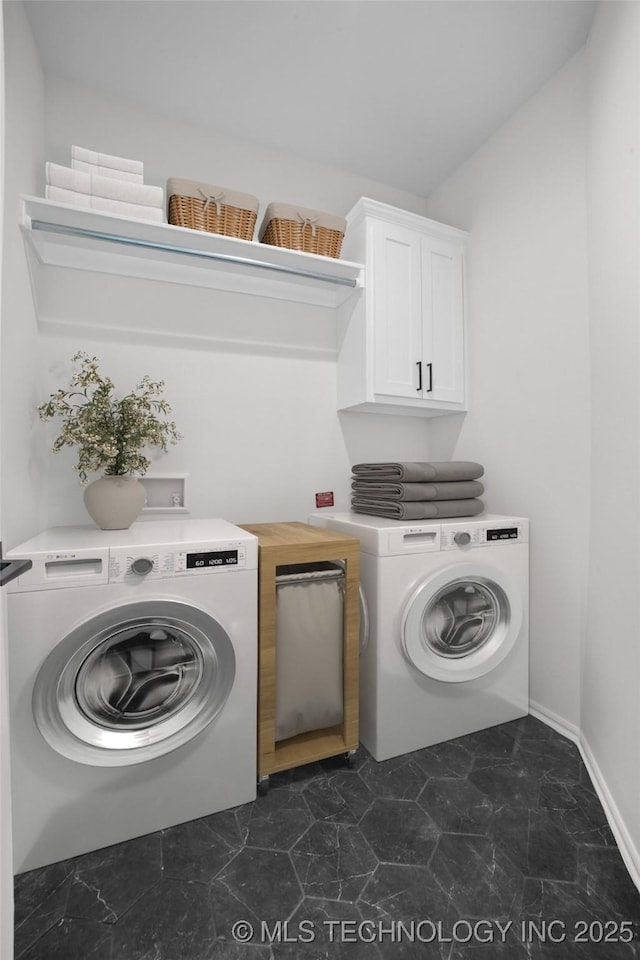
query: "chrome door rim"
456, 666
65, 717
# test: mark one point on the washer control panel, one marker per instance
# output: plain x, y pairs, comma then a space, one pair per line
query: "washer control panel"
124, 565
463, 537
203, 561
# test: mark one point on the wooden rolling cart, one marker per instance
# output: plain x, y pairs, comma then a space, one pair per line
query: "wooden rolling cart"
281, 545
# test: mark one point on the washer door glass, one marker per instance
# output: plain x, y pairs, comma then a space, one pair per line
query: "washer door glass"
134, 683
461, 623
138, 676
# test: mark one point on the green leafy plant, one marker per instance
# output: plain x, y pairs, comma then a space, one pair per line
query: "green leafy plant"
110, 433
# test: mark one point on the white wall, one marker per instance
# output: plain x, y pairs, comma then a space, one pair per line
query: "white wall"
522, 197
261, 432
261, 435
172, 149
23, 157
611, 684
19, 486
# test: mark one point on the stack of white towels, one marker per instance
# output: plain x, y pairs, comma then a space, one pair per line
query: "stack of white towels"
101, 182
418, 490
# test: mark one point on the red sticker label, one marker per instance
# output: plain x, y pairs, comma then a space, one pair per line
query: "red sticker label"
324, 499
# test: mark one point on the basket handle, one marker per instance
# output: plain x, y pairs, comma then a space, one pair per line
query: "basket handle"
212, 198
308, 222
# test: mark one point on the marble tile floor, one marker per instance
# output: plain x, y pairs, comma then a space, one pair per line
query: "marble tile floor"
493, 845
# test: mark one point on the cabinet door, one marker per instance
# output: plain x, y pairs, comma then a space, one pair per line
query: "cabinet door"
395, 269
443, 321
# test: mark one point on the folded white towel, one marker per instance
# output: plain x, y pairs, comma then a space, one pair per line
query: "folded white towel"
111, 172
105, 160
88, 201
68, 179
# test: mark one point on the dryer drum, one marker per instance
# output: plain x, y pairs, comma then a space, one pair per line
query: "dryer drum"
134, 682
463, 616
461, 622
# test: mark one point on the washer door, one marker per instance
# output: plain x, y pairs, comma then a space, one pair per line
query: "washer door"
133, 683
461, 622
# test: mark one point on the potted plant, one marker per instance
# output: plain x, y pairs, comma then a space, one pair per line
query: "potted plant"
110, 434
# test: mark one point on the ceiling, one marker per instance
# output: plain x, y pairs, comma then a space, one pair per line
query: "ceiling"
398, 91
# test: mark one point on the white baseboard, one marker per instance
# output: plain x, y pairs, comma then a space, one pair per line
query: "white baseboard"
559, 724
628, 850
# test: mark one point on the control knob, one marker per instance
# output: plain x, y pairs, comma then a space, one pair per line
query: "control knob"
462, 538
141, 566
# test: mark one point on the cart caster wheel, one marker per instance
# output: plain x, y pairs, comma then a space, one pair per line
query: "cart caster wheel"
263, 786
350, 759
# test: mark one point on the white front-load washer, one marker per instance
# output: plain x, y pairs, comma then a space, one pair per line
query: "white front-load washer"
133, 675
448, 646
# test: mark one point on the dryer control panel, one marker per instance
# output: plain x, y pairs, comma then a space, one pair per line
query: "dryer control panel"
460, 536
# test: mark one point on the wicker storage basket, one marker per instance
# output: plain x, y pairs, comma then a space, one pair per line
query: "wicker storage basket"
297, 228
202, 206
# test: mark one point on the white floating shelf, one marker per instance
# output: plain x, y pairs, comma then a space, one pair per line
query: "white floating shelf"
72, 237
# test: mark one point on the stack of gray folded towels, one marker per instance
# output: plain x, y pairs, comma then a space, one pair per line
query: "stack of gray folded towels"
417, 490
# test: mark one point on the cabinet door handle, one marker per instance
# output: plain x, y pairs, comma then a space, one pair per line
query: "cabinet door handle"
430, 369
419, 366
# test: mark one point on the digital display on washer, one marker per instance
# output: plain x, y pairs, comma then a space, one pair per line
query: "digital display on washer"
503, 533
212, 558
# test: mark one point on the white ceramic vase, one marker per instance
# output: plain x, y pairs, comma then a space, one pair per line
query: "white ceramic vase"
113, 503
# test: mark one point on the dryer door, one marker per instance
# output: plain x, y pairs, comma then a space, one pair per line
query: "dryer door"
461, 622
134, 682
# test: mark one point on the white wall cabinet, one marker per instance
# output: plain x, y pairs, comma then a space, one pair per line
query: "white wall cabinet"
402, 349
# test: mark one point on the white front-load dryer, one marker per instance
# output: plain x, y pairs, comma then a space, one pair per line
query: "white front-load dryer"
133, 675
448, 645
